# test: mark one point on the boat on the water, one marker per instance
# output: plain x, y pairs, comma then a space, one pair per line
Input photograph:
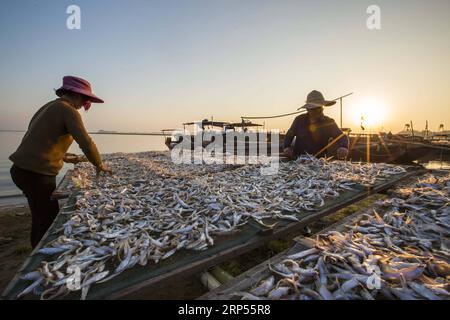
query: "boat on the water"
379, 147
246, 136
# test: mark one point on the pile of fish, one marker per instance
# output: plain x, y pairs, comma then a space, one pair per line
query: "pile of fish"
150, 208
401, 254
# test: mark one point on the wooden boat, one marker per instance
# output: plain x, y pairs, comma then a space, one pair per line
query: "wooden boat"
240, 132
380, 147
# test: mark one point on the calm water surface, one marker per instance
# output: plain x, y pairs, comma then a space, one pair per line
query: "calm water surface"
106, 144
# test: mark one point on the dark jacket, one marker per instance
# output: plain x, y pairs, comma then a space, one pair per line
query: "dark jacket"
311, 138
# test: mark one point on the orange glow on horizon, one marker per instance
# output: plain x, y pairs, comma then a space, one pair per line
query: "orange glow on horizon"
370, 113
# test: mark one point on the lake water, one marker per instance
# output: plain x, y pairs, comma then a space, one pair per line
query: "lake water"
106, 143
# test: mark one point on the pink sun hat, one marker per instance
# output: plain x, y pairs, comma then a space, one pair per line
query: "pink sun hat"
78, 85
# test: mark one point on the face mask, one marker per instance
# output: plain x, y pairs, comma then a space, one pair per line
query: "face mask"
87, 105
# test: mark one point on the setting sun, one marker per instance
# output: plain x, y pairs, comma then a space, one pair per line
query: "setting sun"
370, 113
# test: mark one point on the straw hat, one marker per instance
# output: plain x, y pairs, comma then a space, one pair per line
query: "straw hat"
315, 99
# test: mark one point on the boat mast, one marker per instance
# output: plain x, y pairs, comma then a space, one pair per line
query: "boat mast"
340, 103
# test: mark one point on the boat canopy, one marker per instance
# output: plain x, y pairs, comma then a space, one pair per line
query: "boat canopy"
208, 123
244, 124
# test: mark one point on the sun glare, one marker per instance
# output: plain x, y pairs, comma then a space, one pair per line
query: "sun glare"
370, 113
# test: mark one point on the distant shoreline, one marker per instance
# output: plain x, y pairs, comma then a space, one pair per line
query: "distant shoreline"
114, 133
130, 133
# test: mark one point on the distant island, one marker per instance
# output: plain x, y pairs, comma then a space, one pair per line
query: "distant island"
127, 133
105, 132
7, 130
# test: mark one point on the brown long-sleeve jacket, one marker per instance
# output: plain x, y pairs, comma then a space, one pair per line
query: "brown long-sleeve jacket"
50, 133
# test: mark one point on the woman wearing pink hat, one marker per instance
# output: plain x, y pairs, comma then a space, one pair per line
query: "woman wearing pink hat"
39, 157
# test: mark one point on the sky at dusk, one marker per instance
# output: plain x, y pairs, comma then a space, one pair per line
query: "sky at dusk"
160, 63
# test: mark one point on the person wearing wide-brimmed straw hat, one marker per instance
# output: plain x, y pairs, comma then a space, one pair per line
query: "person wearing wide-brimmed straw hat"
40, 155
314, 131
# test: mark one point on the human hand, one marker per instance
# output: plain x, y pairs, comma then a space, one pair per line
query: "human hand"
289, 152
103, 168
70, 158
74, 159
342, 153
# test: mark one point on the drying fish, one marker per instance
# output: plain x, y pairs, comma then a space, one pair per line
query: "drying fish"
264, 287
151, 208
398, 254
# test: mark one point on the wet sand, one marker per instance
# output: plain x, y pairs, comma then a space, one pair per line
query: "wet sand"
15, 226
